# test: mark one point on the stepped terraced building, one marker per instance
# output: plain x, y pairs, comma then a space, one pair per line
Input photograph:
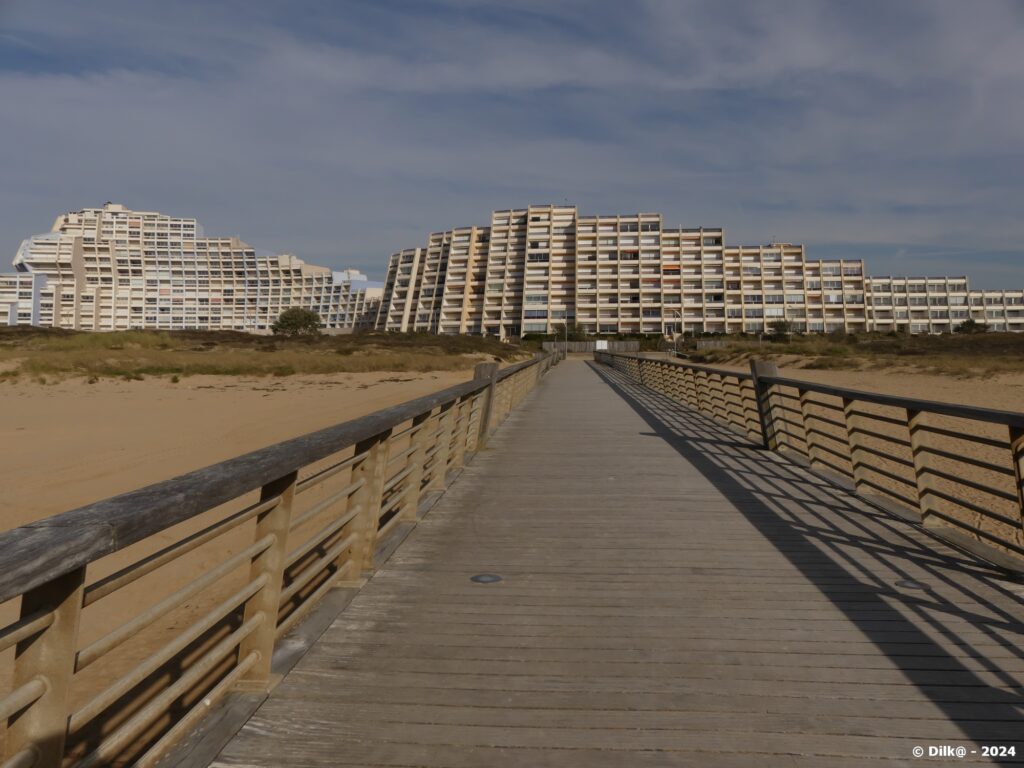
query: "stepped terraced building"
534, 268
111, 268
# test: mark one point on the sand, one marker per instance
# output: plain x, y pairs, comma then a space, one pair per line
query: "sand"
68, 444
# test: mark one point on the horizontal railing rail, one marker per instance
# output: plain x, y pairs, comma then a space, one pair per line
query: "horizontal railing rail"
957, 469
289, 522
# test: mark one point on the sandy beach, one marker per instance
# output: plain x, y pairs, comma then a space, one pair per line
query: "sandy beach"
72, 443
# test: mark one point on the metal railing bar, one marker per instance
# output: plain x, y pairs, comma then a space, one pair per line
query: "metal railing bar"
320, 536
132, 727
826, 405
907, 500
21, 697
840, 470
908, 481
201, 707
1003, 445
24, 628
392, 502
882, 436
386, 528
978, 486
901, 422
826, 420
316, 568
135, 571
26, 758
836, 438
408, 430
306, 605
975, 413
980, 463
402, 455
330, 471
977, 508
323, 504
97, 649
396, 479
679, 364
784, 420
888, 457
845, 456
98, 703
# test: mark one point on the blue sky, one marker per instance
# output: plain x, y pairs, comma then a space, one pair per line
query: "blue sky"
343, 131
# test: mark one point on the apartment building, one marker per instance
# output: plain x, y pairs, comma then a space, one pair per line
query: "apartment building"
112, 268
940, 304
535, 268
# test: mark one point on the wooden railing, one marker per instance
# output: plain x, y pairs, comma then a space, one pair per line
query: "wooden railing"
957, 469
305, 516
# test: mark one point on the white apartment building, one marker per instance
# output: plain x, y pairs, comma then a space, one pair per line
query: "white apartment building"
535, 268
940, 304
112, 268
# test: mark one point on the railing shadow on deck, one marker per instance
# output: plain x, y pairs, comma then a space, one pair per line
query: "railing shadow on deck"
764, 487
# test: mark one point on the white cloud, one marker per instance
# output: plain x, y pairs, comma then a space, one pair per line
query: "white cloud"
365, 131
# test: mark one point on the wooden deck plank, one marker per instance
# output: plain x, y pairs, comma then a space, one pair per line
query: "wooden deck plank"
671, 595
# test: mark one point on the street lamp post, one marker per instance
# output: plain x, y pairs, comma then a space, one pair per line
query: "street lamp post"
675, 343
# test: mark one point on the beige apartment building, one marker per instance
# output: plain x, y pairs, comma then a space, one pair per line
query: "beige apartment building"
535, 268
112, 268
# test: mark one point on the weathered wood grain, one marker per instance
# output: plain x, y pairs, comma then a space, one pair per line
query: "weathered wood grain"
671, 595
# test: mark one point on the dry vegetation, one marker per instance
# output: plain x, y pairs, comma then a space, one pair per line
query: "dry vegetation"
967, 355
45, 354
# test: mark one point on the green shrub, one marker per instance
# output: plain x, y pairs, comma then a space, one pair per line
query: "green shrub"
296, 321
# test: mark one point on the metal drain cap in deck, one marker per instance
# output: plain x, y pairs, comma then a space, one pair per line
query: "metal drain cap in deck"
485, 578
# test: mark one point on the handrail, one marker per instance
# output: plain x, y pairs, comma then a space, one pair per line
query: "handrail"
967, 483
973, 412
364, 477
682, 364
35, 553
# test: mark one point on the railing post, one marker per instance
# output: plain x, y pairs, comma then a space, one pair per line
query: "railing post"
269, 563
690, 388
813, 452
371, 469
418, 458
761, 369
444, 443
460, 432
1017, 451
50, 656
697, 390
854, 440
485, 372
919, 451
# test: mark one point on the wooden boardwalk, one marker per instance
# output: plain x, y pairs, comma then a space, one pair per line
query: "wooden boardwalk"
670, 595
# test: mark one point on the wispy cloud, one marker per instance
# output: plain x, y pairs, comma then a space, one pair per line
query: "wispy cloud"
344, 131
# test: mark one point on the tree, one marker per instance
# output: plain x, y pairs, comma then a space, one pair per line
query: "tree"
296, 321
576, 332
971, 326
781, 329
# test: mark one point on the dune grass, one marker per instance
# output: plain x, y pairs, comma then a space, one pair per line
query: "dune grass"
53, 355
965, 355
